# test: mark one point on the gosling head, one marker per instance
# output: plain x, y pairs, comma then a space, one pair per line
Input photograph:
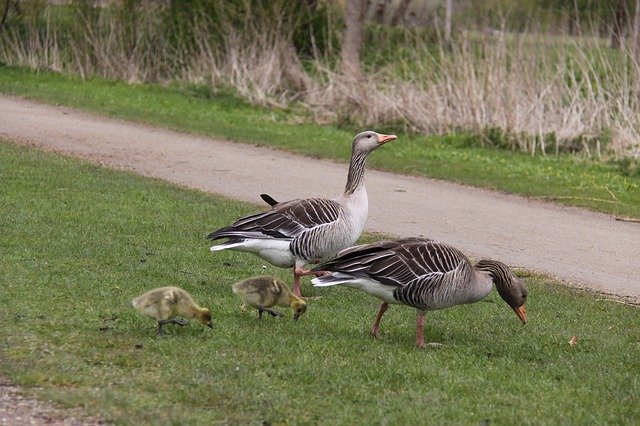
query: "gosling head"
299, 307
509, 286
368, 141
204, 316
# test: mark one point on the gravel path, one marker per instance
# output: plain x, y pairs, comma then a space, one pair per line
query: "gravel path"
18, 410
585, 248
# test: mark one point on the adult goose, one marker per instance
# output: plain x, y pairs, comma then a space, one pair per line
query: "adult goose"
309, 230
423, 274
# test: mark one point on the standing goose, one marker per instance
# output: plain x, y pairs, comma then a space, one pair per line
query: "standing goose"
423, 274
310, 230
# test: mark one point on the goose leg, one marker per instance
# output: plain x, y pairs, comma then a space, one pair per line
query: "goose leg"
296, 282
420, 329
375, 330
299, 271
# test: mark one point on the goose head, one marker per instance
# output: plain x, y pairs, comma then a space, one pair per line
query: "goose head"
298, 306
509, 286
204, 317
366, 142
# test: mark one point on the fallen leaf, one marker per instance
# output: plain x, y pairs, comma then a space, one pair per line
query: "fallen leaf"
573, 341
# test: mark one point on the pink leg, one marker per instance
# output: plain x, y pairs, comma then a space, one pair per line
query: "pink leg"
375, 330
420, 329
296, 282
302, 272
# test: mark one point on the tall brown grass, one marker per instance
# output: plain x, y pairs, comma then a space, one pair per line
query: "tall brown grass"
540, 94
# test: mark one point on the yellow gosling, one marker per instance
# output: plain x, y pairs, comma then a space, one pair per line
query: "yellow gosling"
165, 304
264, 291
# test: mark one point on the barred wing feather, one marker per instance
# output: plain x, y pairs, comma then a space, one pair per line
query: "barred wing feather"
283, 221
397, 262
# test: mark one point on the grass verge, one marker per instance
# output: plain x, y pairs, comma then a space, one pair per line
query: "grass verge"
79, 242
565, 179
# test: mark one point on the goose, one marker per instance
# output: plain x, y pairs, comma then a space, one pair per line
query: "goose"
310, 230
423, 274
166, 304
264, 291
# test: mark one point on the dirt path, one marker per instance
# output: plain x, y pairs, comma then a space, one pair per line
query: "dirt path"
19, 410
585, 248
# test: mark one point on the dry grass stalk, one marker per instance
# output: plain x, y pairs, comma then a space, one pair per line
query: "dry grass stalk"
545, 93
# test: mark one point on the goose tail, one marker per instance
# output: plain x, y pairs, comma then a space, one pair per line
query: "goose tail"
329, 280
268, 199
227, 245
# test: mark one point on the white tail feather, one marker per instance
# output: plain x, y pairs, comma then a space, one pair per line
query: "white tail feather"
226, 246
317, 282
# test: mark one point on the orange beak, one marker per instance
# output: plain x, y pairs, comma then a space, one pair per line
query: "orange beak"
521, 312
382, 139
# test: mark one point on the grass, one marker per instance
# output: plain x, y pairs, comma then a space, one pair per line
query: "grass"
79, 242
565, 179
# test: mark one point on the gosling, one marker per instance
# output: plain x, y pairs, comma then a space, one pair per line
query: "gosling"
165, 304
263, 291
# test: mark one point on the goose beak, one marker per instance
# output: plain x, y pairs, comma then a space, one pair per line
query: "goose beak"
521, 312
382, 139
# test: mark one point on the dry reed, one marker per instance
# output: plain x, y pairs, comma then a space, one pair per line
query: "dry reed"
543, 93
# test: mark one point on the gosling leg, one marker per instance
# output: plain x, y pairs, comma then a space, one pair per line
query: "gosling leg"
178, 321
270, 311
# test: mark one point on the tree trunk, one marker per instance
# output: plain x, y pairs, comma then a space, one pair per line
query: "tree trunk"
380, 9
617, 32
448, 11
5, 13
400, 11
352, 38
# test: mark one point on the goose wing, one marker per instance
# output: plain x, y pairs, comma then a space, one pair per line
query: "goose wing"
397, 263
284, 221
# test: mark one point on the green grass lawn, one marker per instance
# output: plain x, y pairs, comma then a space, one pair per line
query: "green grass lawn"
565, 179
78, 242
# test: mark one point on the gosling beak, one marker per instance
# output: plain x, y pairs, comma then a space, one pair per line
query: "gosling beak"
382, 139
521, 312
296, 316
210, 325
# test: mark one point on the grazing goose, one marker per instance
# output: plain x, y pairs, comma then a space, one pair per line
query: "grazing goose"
263, 291
310, 230
421, 273
166, 304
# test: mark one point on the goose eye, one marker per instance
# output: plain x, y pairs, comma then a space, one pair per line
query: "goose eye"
368, 136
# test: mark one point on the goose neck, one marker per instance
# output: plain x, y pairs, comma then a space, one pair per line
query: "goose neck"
497, 271
355, 178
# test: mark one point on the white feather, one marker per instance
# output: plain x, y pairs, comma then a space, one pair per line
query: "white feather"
375, 288
273, 251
